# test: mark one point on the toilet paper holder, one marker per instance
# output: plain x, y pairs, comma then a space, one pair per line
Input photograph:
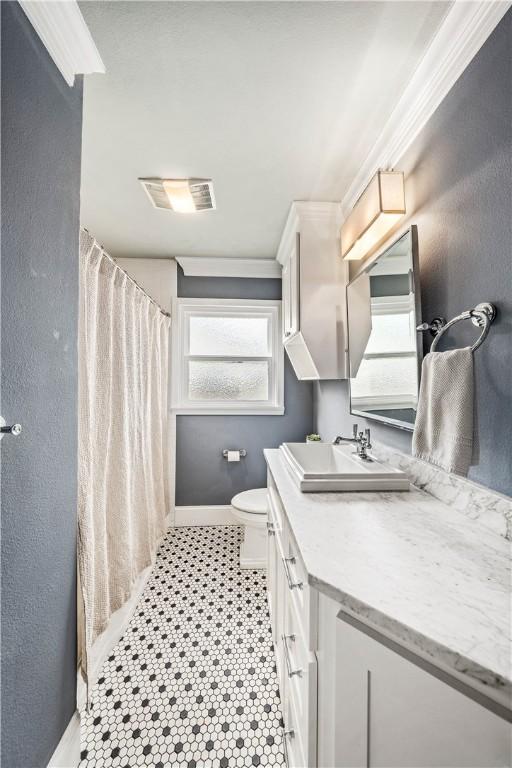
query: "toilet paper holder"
241, 451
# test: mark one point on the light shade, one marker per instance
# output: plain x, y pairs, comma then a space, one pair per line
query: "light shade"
376, 212
180, 195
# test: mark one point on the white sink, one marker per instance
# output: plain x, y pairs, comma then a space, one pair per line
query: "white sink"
326, 467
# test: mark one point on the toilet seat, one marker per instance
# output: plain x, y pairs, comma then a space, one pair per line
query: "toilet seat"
253, 502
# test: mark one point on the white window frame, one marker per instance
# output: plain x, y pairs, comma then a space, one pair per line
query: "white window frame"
183, 310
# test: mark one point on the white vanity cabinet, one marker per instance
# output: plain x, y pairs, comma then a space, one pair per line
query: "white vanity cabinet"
392, 712
292, 606
352, 697
382, 706
314, 291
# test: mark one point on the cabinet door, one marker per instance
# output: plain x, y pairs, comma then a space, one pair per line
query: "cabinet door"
291, 291
392, 713
285, 278
294, 279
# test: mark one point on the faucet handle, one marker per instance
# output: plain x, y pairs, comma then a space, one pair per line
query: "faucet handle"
368, 435
354, 431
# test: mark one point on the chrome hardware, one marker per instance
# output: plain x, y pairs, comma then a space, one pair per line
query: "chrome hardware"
270, 528
13, 429
486, 309
434, 326
482, 316
361, 439
289, 671
354, 439
241, 451
292, 584
289, 734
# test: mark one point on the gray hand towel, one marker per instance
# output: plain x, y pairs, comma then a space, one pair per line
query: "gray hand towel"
443, 433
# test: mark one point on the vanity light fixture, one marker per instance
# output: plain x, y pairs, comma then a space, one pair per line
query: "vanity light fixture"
180, 195
376, 212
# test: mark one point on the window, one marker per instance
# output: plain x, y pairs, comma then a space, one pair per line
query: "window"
393, 384
227, 357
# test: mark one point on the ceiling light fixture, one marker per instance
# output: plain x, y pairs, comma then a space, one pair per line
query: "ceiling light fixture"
180, 195
379, 208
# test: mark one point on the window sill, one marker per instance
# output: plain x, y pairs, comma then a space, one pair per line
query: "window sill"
265, 411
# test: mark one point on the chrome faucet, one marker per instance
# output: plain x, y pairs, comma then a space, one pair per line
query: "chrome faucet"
361, 439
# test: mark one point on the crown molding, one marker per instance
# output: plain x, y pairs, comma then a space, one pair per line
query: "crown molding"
66, 37
301, 211
207, 266
464, 30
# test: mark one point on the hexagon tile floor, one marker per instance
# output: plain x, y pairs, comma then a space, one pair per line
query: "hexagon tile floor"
192, 682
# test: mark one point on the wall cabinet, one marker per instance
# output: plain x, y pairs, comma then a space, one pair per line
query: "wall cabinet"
351, 698
314, 292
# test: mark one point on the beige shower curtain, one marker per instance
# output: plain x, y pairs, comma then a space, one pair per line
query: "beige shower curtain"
122, 435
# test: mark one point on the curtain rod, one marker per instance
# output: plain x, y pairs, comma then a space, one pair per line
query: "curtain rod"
130, 278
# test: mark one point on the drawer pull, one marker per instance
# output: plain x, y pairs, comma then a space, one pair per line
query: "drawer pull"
292, 584
291, 672
289, 734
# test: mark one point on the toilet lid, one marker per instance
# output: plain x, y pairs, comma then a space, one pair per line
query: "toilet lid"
254, 501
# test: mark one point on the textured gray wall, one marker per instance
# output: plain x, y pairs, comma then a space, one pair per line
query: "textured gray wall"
202, 475
459, 193
41, 144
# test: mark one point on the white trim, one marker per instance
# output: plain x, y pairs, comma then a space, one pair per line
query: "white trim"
304, 211
464, 30
205, 515
206, 266
392, 305
67, 753
66, 37
183, 309
200, 410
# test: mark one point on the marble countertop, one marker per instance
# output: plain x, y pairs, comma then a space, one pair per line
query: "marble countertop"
414, 567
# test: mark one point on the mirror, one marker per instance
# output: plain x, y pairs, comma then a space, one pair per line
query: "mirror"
383, 306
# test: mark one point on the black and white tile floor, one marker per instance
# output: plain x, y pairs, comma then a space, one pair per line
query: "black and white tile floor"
192, 682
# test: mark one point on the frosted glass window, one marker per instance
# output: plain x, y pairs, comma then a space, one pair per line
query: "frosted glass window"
220, 336
227, 357
228, 380
398, 379
392, 333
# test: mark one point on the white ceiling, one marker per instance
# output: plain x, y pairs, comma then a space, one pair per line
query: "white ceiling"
275, 101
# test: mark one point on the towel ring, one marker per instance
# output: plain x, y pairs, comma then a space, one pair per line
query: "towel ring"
482, 316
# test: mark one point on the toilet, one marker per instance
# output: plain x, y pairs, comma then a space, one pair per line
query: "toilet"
250, 508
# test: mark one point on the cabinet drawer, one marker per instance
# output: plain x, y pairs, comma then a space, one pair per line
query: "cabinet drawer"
294, 750
301, 594
300, 673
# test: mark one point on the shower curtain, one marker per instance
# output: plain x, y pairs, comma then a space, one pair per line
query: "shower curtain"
122, 436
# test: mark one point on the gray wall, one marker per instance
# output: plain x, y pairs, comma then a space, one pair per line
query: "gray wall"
202, 475
41, 144
459, 193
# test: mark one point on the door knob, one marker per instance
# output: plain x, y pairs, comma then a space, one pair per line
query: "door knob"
14, 429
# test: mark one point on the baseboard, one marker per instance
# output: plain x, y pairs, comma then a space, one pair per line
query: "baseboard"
67, 754
204, 515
